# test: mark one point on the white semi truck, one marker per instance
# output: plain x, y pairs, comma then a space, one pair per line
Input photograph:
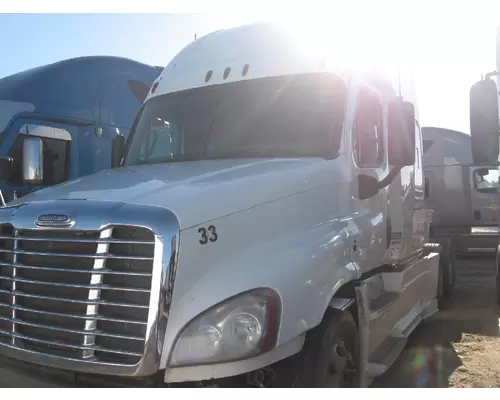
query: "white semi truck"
264, 224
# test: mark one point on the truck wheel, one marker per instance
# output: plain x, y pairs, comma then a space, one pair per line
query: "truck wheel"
330, 353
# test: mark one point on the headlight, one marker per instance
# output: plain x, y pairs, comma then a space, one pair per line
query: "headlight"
240, 327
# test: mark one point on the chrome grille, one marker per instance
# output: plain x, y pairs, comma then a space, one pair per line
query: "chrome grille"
82, 295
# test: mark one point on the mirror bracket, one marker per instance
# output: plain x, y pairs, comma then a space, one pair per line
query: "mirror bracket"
6, 167
117, 151
368, 186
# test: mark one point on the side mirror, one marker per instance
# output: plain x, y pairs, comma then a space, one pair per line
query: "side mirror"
6, 167
32, 164
368, 186
401, 133
484, 123
117, 151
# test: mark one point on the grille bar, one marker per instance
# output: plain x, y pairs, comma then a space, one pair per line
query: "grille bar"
94, 294
18, 293
94, 331
97, 317
70, 346
71, 255
92, 286
103, 271
70, 240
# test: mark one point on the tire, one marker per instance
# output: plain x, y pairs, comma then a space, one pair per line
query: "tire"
330, 357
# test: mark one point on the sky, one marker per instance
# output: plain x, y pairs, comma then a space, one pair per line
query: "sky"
450, 48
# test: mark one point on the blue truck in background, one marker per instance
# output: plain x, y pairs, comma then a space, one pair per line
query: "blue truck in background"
58, 121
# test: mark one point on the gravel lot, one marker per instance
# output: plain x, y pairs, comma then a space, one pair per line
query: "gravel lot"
459, 346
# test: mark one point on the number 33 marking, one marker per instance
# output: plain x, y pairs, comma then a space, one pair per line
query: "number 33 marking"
212, 234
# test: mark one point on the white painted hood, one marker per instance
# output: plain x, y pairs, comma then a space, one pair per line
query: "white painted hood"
195, 191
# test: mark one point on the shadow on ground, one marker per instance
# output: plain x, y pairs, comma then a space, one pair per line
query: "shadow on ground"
430, 357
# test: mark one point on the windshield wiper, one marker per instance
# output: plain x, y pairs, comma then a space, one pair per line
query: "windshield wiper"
174, 159
269, 152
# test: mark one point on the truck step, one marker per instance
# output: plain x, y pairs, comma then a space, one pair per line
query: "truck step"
381, 303
431, 309
408, 329
382, 359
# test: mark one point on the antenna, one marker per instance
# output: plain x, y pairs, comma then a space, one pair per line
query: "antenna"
399, 81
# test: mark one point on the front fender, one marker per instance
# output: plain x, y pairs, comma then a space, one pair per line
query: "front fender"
302, 257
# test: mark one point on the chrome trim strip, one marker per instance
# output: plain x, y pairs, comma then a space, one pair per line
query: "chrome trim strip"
95, 294
13, 302
484, 230
481, 249
100, 216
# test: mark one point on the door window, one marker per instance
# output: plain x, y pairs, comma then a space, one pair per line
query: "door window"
368, 130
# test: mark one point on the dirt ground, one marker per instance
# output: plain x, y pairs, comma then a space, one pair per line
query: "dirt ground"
459, 346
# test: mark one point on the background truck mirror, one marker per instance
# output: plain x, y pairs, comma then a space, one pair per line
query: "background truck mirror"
6, 167
32, 163
117, 151
484, 123
401, 133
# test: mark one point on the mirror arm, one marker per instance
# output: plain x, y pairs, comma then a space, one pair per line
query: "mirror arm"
6, 168
390, 177
491, 74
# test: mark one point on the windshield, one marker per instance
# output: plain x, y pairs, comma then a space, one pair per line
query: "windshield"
294, 116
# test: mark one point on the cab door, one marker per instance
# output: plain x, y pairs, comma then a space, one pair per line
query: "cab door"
368, 137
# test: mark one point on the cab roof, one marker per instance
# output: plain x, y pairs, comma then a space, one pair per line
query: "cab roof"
260, 50
92, 88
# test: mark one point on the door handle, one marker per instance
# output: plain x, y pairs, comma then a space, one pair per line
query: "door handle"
426, 188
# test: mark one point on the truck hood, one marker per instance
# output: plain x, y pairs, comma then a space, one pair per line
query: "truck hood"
195, 191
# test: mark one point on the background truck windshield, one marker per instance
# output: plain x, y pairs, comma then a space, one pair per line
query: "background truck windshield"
294, 116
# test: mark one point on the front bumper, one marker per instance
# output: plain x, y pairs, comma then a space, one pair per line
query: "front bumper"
15, 373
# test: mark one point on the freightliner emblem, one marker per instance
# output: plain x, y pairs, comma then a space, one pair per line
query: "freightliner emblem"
54, 220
